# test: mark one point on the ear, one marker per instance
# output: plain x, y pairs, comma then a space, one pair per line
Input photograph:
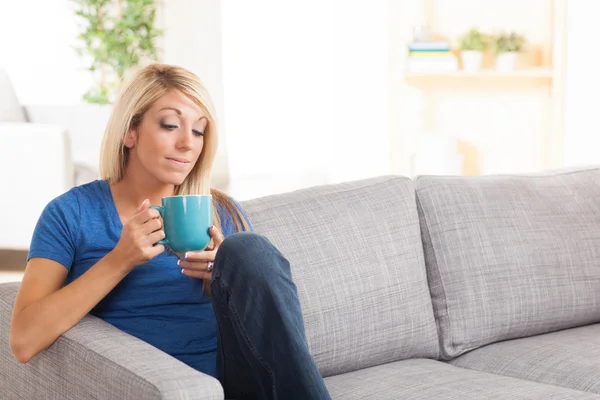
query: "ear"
130, 139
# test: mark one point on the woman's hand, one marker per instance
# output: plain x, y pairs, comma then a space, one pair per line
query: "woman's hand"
139, 236
198, 264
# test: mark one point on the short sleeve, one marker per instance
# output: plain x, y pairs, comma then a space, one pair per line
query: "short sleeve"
55, 234
227, 224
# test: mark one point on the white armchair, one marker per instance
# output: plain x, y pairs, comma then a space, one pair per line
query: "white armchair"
85, 124
35, 166
37, 163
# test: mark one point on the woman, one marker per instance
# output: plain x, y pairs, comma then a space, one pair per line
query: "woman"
94, 250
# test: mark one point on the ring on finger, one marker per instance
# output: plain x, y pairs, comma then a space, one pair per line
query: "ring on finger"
210, 266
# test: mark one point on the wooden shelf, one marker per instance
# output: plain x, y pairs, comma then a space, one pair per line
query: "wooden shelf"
532, 73
528, 102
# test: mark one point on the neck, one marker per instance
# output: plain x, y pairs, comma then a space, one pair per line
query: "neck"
136, 186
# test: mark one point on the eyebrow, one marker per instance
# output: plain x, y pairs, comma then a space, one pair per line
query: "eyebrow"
178, 111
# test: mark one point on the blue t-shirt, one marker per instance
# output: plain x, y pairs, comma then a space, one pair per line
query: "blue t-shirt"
155, 302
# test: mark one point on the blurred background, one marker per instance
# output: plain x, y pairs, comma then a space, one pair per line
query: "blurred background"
308, 92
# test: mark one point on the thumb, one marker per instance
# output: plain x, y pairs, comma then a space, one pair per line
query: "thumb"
145, 204
216, 235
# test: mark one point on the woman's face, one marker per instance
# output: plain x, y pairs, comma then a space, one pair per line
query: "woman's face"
169, 140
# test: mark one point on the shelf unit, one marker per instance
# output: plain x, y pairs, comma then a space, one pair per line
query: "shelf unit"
548, 73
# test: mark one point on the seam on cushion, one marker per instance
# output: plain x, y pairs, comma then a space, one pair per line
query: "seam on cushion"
425, 231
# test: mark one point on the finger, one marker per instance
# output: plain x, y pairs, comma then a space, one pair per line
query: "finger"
197, 274
154, 237
217, 236
199, 256
192, 265
156, 250
152, 225
146, 215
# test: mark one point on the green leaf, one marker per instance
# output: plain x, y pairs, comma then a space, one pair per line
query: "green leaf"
474, 40
114, 45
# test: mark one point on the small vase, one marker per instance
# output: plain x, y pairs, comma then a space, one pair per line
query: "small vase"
471, 60
506, 62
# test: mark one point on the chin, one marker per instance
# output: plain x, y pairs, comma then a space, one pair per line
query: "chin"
172, 179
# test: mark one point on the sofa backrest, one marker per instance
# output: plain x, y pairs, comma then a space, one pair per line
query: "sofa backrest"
511, 256
357, 261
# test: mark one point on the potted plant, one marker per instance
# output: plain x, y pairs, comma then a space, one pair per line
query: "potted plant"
472, 45
506, 47
115, 37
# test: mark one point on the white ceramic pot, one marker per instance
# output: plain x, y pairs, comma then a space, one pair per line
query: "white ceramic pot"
505, 62
471, 60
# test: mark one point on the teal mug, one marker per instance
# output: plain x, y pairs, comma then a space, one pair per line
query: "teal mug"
187, 221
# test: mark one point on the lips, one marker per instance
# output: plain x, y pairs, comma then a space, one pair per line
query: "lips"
181, 162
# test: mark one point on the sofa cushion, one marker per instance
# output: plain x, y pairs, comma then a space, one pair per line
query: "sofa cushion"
511, 256
433, 380
357, 260
569, 358
10, 109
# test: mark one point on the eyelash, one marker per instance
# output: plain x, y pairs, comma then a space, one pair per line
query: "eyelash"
173, 127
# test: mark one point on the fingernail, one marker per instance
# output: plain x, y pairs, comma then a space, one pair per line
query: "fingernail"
186, 255
183, 271
178, 261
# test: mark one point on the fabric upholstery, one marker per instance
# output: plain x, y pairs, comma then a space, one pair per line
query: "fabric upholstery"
357, 260
419, 379
511, 256
94, 360
568, 358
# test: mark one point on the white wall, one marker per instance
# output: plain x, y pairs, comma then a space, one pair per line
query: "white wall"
36, 49
306, 92
582, 133
361, 90
192, 39
278, 85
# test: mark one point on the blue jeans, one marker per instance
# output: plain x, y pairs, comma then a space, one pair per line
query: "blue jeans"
262, 350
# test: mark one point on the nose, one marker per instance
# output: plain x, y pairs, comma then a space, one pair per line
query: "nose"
185, 139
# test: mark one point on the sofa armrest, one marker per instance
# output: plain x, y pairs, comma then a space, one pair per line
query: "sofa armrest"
95, 360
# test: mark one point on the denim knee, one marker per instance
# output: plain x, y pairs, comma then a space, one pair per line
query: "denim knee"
249, 255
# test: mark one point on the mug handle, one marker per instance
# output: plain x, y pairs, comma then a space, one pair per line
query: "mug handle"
161, 211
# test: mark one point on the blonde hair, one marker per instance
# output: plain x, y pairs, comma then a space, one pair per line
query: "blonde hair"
136, 97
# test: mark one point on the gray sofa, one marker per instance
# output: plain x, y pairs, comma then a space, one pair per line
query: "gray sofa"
438, 288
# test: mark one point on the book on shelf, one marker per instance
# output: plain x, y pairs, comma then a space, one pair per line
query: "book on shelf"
431, 56
439, 45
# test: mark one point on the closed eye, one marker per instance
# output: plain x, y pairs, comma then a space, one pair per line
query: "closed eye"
168, 126
197, 133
